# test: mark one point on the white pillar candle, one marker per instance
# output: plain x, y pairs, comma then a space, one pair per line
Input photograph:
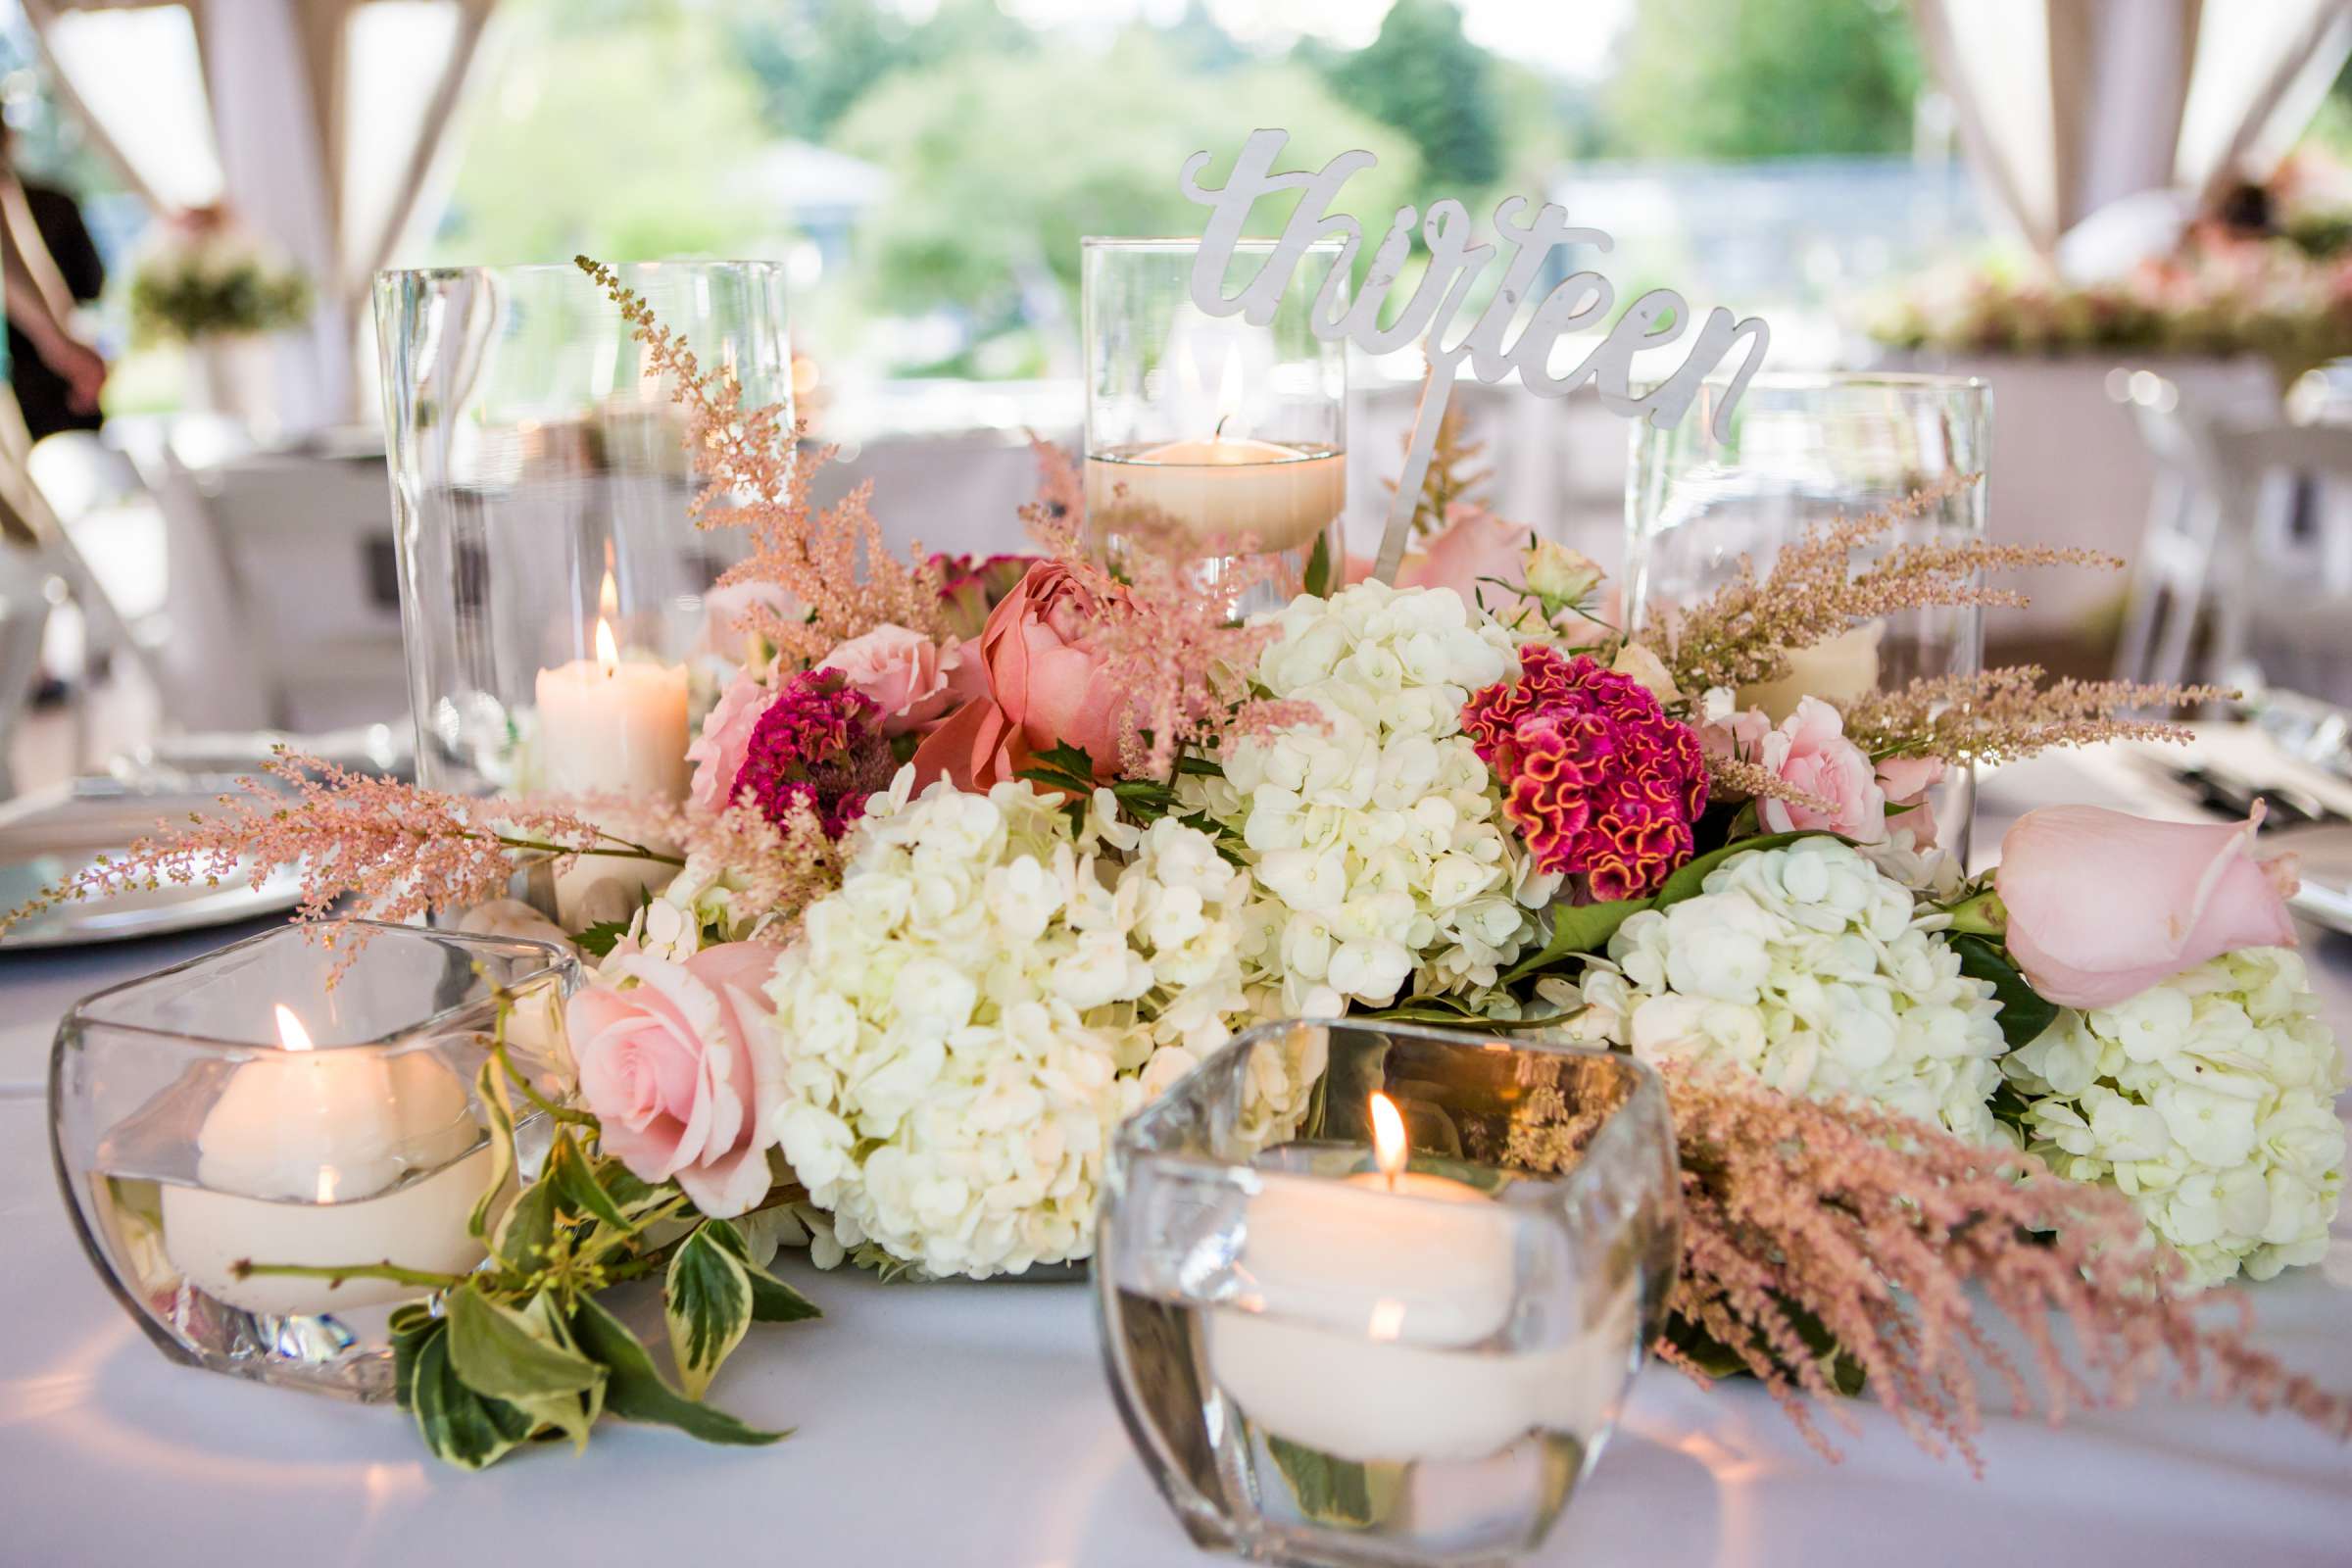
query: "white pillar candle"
302, 1160
1225, 488
610, 728
1369, 1337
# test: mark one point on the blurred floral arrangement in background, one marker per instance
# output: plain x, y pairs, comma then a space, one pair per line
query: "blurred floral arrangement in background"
2267, 274
205, 276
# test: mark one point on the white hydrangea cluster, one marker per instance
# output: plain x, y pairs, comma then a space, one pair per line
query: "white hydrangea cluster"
1380, 857
2209, 1101
1807, 965
696, 911
967, 1017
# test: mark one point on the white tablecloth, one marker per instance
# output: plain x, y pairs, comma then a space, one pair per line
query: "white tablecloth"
942, 1424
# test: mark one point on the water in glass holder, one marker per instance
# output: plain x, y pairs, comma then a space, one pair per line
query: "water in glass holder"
1323, 1367
235, 1108
1205, 433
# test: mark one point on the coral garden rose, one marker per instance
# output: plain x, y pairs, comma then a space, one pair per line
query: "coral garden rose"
674, 1067
2102, 904
1046, 688
911, 679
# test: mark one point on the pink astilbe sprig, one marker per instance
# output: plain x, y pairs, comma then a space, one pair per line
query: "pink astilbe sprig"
1170, 643
399, 852
834, 564
776, 866
1801, 1218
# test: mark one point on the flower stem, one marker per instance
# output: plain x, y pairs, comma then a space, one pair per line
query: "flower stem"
246, 1268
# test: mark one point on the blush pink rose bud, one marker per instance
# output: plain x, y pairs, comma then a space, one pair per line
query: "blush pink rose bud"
910, 678
2102, 904
674, 1067
1906, 783
717, 753
1810, 752
1473, 546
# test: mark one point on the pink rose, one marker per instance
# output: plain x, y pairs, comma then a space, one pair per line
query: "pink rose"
1474, 544
1045, 681
717, 753
910, 678
675, 1069
1906, 783
2103, 904
1809, 751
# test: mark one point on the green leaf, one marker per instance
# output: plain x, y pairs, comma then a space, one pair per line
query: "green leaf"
1318, 567
1067, 759
575, 1183
707, 1305
528, 1229
600, 939
634, 1194
1686, 881
772, 1300
1329, 1491
491, 1087
460, 1425
498, 1351
2025, 1011
635, 1392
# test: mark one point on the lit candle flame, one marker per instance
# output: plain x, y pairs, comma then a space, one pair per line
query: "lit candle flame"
608, 597
608, 653
1229, 394
290, 1032
1389, 1151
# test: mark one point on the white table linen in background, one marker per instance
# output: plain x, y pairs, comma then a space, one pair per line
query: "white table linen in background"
962, 1424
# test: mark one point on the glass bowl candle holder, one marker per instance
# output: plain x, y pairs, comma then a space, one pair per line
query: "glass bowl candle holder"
1208, 433
554, 593
1803, 449
1385, 1345
237, 1108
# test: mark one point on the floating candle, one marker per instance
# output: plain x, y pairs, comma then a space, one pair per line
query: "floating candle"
305, 1159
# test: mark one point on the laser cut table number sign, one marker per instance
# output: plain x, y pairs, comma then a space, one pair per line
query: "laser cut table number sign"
1432, 313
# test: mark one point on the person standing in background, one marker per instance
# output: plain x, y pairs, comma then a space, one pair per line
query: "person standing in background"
47, 396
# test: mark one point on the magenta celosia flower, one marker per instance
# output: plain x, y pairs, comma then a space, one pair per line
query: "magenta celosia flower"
821, 742
1597, 779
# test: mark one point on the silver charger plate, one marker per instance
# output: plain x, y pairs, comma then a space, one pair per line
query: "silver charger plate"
138, 913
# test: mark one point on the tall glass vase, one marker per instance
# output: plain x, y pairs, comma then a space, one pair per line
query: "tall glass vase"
1212, 439
554, 589
1800, 451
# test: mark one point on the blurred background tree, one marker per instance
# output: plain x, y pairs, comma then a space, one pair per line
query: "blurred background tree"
1735, 80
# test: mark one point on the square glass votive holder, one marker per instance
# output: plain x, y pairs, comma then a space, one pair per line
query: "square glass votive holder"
237, 1107
1321, 1367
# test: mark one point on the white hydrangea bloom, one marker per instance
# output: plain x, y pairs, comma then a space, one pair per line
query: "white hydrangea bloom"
2209, 1101
1381, 859
1807, 965
988, 993
696, 911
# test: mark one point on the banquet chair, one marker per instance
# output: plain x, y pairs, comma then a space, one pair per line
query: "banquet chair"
2249, 543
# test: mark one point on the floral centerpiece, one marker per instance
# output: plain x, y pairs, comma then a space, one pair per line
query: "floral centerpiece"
205, 278
979, 856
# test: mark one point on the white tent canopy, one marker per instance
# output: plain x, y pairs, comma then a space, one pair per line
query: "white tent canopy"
317, 124
2069, 106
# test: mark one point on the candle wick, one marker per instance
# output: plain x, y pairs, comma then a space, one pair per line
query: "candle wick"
1218, 434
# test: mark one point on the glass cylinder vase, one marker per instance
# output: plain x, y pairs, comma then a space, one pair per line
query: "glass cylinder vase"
1213, 439
1801, 451
1334, 1353
554, 591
